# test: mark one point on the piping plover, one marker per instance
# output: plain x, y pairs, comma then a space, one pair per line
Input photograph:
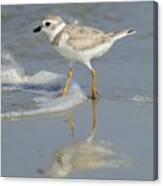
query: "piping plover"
79, 44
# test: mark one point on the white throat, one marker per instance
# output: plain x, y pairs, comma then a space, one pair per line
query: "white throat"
51, 35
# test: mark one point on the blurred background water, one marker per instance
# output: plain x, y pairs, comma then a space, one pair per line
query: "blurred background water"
124, 80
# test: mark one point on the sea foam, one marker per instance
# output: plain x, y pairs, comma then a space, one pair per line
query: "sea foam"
45, 87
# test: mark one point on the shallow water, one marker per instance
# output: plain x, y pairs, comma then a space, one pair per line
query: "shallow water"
33, 74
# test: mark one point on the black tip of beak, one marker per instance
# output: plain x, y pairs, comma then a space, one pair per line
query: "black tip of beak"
38, 29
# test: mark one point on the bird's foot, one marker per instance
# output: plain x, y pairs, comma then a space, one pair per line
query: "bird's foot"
62, 94
94, 95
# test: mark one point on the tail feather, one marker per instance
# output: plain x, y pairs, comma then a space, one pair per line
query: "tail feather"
118, 35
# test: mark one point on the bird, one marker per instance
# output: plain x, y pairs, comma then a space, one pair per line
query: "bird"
79, 44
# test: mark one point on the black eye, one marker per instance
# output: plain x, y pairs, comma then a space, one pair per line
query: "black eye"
47, 24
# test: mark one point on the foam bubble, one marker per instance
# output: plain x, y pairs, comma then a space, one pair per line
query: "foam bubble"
141, 99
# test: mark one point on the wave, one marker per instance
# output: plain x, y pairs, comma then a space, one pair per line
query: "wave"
43, 88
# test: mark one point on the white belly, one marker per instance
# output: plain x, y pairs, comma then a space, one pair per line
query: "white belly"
99, 50
83, 56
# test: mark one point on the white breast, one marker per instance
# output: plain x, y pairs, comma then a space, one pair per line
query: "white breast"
82, 56
69, 53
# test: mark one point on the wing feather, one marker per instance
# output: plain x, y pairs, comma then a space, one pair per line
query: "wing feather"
83, 38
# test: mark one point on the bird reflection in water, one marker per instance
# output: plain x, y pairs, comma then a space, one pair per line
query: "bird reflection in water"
88, 154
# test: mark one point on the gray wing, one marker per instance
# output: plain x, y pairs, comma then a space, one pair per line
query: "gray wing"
83, 38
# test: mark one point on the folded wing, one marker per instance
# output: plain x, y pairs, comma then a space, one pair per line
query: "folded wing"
83, 38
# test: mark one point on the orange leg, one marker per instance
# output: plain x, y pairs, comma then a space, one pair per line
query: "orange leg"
94, 93
68, 82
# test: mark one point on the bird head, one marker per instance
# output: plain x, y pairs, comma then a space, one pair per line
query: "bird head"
51, 26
